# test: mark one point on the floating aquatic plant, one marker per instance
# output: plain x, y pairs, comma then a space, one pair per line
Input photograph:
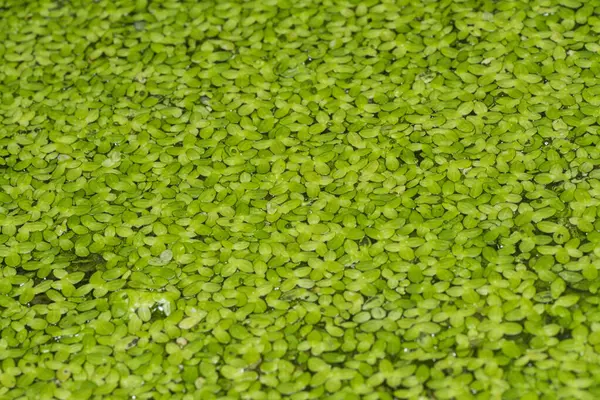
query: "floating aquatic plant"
314, 199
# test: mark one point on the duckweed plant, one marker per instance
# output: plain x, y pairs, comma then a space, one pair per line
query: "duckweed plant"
310, 199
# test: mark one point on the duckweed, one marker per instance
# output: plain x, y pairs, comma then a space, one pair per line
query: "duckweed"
335, 199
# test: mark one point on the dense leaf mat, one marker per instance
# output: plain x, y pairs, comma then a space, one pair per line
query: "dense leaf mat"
278, 199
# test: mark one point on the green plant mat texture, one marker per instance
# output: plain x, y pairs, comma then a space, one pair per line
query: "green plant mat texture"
276, 199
